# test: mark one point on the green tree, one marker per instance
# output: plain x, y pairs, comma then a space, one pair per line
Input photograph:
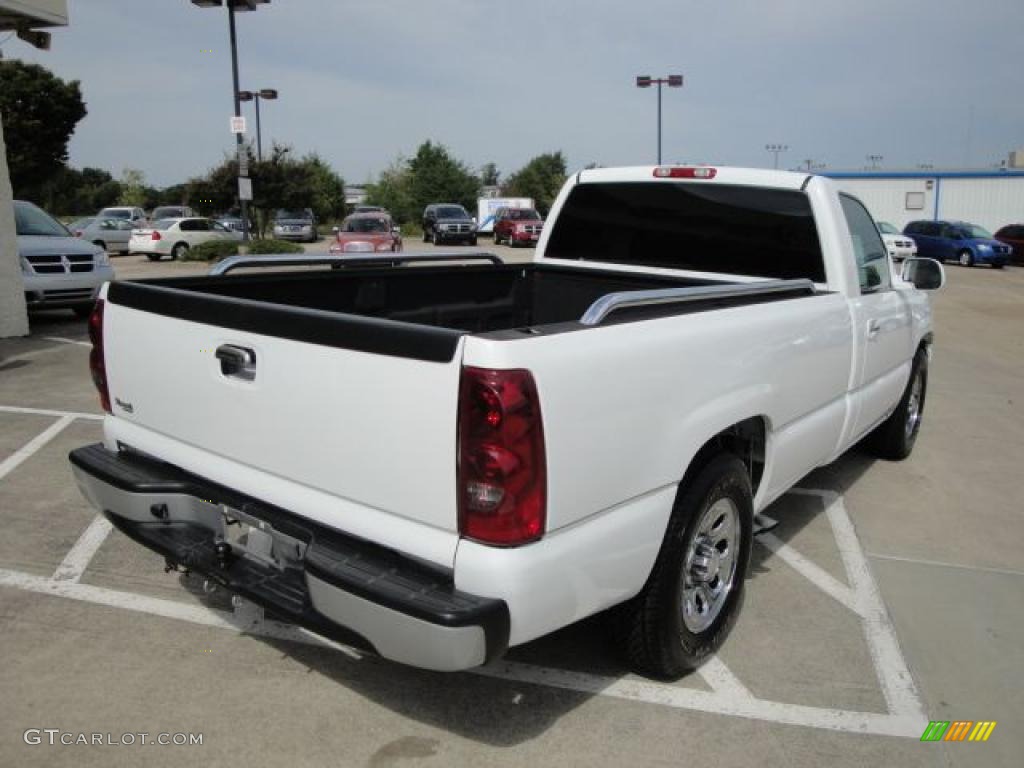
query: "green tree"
328, 201
489, 175
393, 191
437, 177
40, 112
133, 188
541, 179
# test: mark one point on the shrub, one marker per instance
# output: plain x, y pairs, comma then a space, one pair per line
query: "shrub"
259, 247
212, 250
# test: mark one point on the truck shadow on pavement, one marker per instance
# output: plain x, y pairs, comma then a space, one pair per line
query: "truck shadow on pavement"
498, 711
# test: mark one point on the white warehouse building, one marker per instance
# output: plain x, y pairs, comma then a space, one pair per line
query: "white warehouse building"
991, 199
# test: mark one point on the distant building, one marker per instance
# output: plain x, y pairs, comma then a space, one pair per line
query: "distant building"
991, 198
26, 18
355, 194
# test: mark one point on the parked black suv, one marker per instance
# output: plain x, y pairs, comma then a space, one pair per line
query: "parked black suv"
448, 222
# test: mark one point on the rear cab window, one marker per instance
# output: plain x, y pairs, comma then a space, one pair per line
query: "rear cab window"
761, 232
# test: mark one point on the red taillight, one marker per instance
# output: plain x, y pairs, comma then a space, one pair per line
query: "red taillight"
672, 172
97, 365
155, 235
502, 477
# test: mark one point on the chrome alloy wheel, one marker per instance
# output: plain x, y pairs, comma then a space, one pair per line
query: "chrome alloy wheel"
709, 571
914, 406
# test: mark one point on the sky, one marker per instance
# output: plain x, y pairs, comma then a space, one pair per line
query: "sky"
362, 82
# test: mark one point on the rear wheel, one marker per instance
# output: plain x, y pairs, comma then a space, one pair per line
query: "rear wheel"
695, 590
894, 438
437, 238
426, 235
966, 258
472, 240
178, 251
997, 265
153, 256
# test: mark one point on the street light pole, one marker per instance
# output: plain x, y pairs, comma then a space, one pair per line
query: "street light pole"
776, 150
233, 5
672, 81
238, 113
265, 93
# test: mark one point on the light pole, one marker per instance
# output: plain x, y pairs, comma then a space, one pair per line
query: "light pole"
874, 160
672, 81
266, 93
233, 5
776, 150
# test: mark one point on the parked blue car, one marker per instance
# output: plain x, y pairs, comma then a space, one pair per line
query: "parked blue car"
957, 240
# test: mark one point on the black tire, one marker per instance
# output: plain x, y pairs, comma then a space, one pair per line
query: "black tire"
966, 258
436, 238
997, 265
650, 629
472, 240
153, 256
894, 438
497, 240
178, 251
83, 311
426, 234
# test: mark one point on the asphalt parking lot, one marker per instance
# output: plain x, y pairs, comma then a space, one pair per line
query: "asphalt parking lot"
889, 595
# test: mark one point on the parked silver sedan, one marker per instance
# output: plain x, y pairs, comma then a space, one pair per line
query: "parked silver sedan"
112, 235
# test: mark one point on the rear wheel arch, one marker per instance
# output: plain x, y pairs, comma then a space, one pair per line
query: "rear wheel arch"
746, 439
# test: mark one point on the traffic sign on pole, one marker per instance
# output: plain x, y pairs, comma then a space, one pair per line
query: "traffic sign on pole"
237, 124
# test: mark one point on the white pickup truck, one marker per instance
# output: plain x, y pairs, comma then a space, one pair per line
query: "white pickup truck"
437, 461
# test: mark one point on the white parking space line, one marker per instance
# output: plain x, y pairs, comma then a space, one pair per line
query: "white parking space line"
736, 704
646, 691
722, 680
63, 340
77, 560
815, 574
26, 452
893, 675
728, 696
49, 412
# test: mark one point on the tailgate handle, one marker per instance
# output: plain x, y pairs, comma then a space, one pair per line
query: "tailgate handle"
236, 361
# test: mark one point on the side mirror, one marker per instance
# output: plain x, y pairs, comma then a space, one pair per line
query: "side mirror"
396, 230
335, 230
925, 274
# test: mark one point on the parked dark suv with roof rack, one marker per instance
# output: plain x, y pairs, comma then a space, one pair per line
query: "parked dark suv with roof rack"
448, 222
957, 240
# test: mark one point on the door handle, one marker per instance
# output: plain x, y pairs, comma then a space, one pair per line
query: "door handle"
236, 361
874, 326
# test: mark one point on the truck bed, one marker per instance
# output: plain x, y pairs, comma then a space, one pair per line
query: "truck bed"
413, 311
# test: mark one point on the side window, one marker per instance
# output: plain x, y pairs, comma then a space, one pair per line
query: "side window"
868, 248
201, 225
189, 225
931, 229
913, 228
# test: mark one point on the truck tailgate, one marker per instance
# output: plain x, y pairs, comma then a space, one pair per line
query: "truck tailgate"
375, 433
